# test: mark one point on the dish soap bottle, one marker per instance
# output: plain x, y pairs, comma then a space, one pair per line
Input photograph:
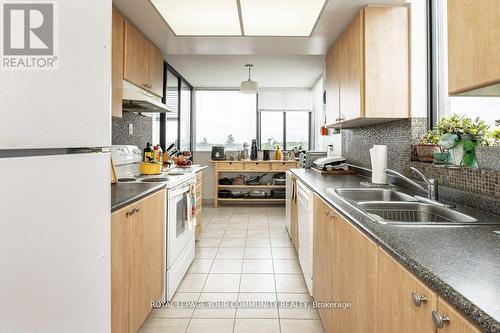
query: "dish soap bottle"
279, 154
148, 153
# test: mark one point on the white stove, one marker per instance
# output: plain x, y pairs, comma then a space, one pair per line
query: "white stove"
127, 160
180, 206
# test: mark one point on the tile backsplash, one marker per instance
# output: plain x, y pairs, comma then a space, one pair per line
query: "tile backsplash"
142, 130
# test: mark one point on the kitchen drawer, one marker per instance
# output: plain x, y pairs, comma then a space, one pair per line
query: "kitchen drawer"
199, 190
230, 166
283, 166
199, 177
257, 166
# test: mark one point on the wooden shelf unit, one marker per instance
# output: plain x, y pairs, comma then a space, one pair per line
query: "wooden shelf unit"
242, 167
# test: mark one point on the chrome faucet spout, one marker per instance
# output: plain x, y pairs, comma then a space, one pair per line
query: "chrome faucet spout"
432, 183
406, 179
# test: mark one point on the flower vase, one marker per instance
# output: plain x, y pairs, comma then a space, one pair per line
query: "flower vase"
457, 154
469, 156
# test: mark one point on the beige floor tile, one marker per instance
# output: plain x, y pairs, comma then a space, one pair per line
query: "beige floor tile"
258, 266
177, 307
284, 253
301, 326
200, 266
206, 252
257, 305
281, 242
282, 234
210, 325
258, 242
257, 325
237, 226
296, 306
258, 253
227, 266
222, 283
208, 242
236, 233
230, 253
233, 242
215, 305
192, 283
286, 266
164, 325
258, 283
258, 233
213, 233
290, 283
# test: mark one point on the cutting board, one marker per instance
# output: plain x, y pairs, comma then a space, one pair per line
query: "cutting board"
334, 172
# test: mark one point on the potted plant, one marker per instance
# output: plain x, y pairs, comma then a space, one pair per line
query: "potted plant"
488, 153
461, 135
427, 146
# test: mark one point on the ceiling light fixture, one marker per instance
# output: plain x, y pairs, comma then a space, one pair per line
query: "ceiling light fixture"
249, 86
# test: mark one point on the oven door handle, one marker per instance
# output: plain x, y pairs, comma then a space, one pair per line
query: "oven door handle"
178, 192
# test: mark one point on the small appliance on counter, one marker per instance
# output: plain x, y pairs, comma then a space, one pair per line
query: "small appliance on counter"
306, 159
330, 163
218, 153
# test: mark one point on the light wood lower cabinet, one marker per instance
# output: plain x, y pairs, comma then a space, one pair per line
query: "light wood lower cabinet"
323, 253
397, 311
354, 279
199, 204
456, 322
137, 261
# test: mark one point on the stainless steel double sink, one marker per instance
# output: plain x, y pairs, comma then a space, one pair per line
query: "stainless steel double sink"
387, 206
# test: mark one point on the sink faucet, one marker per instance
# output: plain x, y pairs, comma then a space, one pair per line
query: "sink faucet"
432, 183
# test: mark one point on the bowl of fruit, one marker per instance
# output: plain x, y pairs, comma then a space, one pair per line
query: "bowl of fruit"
183, 160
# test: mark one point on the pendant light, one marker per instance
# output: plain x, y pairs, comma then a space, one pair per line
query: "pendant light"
249, 86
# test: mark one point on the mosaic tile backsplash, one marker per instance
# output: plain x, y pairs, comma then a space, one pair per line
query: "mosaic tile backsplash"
143, 130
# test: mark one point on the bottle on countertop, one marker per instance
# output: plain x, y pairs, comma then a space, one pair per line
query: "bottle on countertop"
148, 153
160, 154
253, 153
279, 154
155, 153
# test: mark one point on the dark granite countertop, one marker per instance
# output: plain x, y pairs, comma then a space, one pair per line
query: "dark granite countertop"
123, 194
460, 263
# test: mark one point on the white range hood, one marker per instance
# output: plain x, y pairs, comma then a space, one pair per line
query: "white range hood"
136, 99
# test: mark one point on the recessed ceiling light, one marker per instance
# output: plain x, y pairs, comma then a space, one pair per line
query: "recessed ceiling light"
280, 17
200, 17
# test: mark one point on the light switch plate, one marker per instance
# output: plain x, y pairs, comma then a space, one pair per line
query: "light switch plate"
130, 129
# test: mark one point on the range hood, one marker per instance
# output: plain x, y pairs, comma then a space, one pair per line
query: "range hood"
136, 99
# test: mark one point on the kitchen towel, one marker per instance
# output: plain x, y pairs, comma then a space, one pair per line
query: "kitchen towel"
378, 156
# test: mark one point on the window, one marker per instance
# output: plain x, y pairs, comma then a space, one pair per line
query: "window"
487, 108
288, 129
185, 117
176, 127
224, 118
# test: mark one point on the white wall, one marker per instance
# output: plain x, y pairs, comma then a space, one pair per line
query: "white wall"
418, 58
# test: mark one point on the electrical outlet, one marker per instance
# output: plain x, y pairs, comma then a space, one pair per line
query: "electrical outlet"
130, 129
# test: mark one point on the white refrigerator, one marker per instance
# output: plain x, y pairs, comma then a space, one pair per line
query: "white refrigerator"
55, 175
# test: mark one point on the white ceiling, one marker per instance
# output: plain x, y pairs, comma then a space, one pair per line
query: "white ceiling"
229, 70
273, 54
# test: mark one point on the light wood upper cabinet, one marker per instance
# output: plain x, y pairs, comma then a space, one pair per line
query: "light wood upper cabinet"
333, 84
137, 261
473, 45
354, 279
143, 64
155, 65
118, 40
397, 311
456, 322
373, 68
323, 252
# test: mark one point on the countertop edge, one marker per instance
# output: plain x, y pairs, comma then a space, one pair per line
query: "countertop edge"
472, 312
139, 196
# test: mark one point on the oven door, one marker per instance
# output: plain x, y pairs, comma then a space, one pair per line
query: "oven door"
179, 233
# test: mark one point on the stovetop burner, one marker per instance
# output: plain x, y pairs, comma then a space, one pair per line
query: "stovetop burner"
176, 174
125, 180
155, 180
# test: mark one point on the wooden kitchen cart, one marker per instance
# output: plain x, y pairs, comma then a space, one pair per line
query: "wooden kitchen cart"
248, 167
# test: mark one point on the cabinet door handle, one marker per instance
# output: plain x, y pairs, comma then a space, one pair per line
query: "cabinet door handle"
418, 299
136, 210
440, 320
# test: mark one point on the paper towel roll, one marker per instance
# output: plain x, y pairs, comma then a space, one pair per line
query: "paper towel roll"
378, 156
